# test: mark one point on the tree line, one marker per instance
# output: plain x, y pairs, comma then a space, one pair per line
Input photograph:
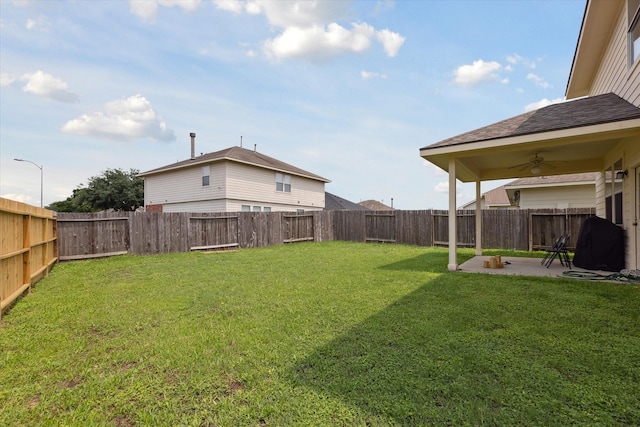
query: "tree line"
112, 190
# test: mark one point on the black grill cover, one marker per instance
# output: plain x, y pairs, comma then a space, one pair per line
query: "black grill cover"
600, 245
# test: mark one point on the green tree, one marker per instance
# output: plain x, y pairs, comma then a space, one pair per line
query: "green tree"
114, 189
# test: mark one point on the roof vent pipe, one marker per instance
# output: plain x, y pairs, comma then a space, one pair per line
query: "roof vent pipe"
193, 145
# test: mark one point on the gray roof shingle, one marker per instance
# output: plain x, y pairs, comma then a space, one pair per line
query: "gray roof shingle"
581, 112
242, 155
336, 203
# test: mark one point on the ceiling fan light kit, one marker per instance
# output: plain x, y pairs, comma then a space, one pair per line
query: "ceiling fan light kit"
536, 163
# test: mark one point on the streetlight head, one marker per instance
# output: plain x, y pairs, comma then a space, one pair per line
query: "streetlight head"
19, 160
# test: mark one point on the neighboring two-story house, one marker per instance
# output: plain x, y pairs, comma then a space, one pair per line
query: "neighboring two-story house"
232, 180
598, 130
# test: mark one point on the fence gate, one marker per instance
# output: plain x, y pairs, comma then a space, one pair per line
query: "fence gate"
83, 238
380, 228
465, 228
213, 232
297, 228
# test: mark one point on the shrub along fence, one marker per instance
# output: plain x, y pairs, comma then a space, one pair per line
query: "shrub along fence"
28, 248
95, 235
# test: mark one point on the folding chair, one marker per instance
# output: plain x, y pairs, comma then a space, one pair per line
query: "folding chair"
558, 250
550, 250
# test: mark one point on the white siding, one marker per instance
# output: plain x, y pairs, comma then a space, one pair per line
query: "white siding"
629, 151
204, 206
576, 196
259, 185
231, 186
613, 74
184, 185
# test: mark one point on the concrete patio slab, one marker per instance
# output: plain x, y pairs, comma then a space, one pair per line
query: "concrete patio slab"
517, 266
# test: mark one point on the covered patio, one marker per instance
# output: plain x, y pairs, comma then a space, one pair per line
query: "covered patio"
570, 137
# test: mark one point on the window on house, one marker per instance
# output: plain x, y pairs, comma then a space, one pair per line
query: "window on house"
633, 15
206, 170
283, 182
257, 209
267, 209
245, 208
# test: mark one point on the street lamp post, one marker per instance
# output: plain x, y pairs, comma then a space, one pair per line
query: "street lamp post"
41, 176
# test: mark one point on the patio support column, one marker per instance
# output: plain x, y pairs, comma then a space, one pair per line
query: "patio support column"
453, 235
478, 220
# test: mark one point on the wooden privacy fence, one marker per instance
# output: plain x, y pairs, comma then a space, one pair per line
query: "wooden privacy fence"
28, 248
84, 235
93, 235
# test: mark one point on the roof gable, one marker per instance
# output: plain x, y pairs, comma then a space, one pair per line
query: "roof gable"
336, 203
375, 205
496, 197
239, 155
598, 23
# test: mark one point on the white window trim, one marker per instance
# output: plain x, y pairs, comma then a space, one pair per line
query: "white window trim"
283, 182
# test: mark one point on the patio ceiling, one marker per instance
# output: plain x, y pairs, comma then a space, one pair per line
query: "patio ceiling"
574, 137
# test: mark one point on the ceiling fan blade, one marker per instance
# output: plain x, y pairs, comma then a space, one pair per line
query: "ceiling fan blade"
519, 166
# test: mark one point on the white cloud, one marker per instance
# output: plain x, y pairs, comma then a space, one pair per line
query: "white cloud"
516, 59
317, 43
441, 187
311, 29
479, 71
538, 81
542, 103
6, 79
47, 86
40, 23
391, 41
123, 120
233, 6
302, 13
147, 9
366, 75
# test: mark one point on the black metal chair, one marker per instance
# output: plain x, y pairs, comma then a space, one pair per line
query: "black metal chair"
558, 250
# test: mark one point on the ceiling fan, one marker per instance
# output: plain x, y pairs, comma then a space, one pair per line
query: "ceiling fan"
536, 163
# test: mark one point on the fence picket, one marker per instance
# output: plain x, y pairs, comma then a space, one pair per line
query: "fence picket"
89, 235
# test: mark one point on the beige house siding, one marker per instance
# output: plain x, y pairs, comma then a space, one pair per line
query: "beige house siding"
629, 151
202, 206
259, 185
231, 185
613, 74
184, 185
578, 196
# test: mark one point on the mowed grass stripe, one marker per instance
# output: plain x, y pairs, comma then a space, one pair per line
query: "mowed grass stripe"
316, 334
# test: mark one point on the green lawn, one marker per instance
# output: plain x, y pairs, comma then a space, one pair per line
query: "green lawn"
316, 334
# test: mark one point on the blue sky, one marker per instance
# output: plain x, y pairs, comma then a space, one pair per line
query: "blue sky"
347, 90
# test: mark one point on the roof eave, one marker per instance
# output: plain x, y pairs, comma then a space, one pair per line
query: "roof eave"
439, 156
196, 162
554, 184
598, 23
518, 140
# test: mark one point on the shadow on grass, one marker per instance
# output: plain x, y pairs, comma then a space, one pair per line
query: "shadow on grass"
467, 352
432, 261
